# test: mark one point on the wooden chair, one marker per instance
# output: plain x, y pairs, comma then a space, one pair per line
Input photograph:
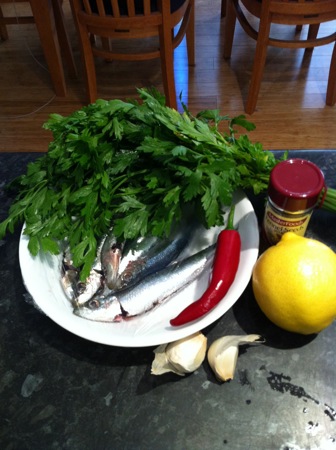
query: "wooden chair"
223, 8
101, 22
293, 12
47, 16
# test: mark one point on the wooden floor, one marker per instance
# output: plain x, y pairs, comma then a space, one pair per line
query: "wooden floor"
291, 111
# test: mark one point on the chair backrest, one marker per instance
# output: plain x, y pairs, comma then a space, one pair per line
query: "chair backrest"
128, 19
284, 12
291, 12
107, 18
103, 25
131, 19
294, 12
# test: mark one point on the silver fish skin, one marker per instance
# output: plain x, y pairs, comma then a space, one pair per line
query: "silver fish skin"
151, 254
137, 249
69, 275
87, 289
77, 291
69, 278
150, 292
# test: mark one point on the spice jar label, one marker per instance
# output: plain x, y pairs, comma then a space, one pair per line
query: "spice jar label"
275, 225
294, 189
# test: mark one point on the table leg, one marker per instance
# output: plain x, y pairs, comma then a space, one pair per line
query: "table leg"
45, 24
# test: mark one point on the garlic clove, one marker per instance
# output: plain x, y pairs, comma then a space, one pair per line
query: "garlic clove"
187, 354
225, 364
160, 364
223, 354
181, 356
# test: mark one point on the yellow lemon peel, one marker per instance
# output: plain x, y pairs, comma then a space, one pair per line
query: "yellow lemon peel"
294, 283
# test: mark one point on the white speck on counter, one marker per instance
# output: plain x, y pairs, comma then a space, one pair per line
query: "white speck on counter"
206, 384
312, 428
108, 399
31, 384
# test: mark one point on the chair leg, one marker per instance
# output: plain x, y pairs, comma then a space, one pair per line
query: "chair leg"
313, 31
167, 66
190, 35
85, 40
3, 29
223, 8
331, 89
45, 24
258, 65
230, 25
312, 34
88, 63
90, 74
63, 37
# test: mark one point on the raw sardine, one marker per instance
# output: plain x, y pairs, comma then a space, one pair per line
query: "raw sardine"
119, 265
148, 293
150, 254
69, 277
78, 291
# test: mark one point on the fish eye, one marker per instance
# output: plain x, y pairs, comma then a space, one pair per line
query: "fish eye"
93, 304
81, 287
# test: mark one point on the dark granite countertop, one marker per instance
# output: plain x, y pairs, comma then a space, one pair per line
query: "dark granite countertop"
59, 391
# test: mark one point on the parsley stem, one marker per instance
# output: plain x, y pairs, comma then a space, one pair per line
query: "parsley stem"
329, 202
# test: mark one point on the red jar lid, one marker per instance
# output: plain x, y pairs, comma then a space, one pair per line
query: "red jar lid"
295, 185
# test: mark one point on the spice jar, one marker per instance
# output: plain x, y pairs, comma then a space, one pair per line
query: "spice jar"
294, 189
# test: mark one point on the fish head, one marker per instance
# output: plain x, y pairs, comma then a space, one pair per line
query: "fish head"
111, 258
84, 291
100, 309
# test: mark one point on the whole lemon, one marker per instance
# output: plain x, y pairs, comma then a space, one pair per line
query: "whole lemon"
294, 283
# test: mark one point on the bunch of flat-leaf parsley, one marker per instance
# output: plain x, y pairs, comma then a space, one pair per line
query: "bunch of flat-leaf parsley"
132, 166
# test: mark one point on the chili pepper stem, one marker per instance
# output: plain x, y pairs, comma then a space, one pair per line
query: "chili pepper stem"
230, 225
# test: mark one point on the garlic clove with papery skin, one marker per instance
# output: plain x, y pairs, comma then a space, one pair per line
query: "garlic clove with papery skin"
161, 365
181, 356
187, 354
223, 354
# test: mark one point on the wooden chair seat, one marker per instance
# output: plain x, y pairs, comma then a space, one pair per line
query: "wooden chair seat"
100, 23
294, 12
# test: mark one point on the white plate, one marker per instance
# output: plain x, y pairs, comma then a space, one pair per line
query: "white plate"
41, 276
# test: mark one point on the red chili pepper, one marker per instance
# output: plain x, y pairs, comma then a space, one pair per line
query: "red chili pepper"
225, 266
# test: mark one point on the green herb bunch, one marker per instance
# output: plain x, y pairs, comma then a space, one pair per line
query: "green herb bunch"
133, 166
